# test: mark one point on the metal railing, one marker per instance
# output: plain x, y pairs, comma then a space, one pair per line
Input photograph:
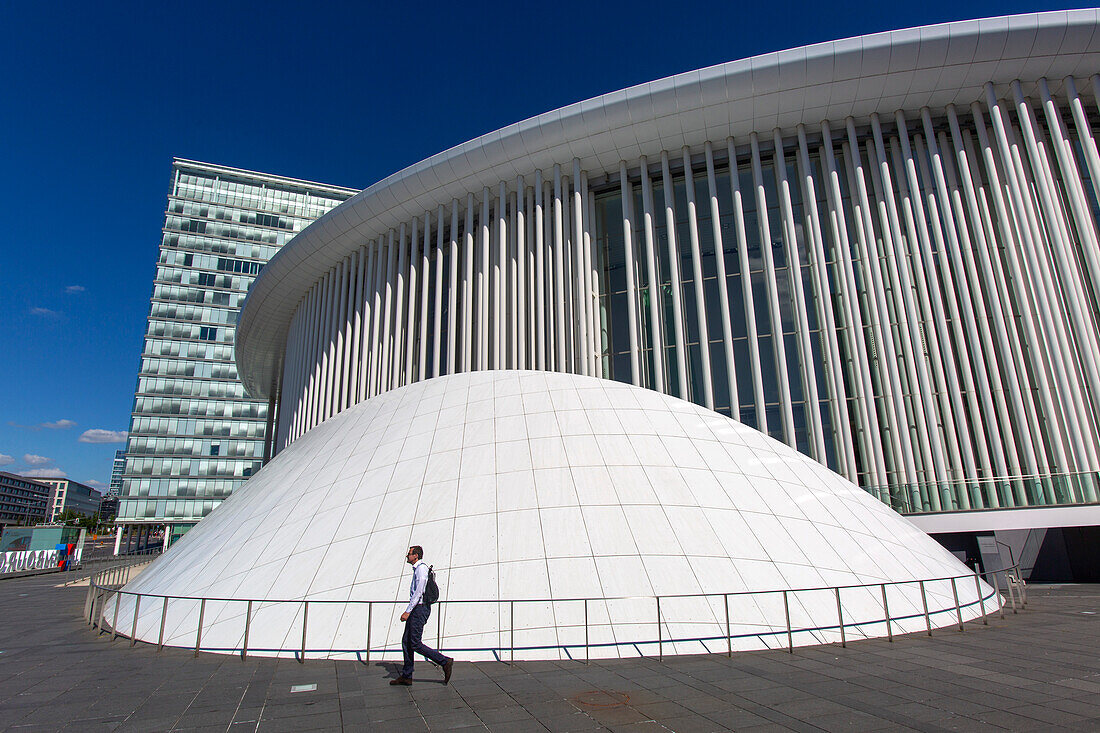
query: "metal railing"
105, 587
1017, 492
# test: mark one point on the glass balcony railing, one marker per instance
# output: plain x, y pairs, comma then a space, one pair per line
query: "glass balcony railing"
997, 493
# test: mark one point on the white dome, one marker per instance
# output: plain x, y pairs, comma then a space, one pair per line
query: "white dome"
533, 485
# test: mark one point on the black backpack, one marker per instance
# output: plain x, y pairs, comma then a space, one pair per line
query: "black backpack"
431, 589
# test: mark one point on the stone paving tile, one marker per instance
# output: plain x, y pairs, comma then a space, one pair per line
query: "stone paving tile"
1031, 671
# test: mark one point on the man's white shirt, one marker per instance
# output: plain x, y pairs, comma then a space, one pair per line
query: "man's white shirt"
419, 582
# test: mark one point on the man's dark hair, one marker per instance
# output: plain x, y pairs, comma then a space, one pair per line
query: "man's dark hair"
418, 550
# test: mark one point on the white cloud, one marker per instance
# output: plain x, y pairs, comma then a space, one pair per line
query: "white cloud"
75, 289
96, 484
6, 460
98, 435
44, 473
58, 425
45, 312
32, 460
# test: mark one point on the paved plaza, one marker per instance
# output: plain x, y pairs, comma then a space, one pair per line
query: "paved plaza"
1038, 670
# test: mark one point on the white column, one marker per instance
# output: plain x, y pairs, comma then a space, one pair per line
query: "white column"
723, 283
410, 328
559, 269
532, 287
377, 342
358, 331
425, 287
626, 192
676, 283
328, 357
520, 306
801, 319
697, 276
398, 335
340, 300
452, 289
437, 328
592, 292
389, 338
483, 285
118, 539
569, 282
540, 277
771, 289
653, 283
468, 286
309, 358
823, 302
499, 276
747, 297
870, 434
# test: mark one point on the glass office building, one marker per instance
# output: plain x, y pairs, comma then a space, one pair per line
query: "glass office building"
194, 435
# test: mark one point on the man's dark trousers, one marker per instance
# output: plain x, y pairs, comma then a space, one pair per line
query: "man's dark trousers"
411, 640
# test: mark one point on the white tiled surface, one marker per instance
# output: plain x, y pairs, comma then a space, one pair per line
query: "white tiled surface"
580, 506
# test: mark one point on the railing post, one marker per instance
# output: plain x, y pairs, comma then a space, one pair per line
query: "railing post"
981, 598
247, 621
198, 631
787, 615
587, 657
997, 591
370, 618
512, 631
88, 600
729, 636
114, 622
163, 618
305, 621
133, 628
840, 618
924, 602
958, 608
660, 636
1011, 593
886, 609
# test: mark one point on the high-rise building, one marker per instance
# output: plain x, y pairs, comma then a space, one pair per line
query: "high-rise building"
194, 435
117, 467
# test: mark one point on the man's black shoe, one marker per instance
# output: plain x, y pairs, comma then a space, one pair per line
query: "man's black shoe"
402, 681
447, 668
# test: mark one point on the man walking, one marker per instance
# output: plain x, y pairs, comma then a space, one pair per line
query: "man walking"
415, 616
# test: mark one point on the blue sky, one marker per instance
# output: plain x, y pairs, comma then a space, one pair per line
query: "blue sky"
98, 97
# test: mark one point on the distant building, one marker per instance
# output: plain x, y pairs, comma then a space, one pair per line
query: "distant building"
66, 494
22, 500
116, 474
194, 435
108, 508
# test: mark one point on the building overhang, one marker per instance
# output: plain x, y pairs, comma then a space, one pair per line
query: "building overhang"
907, 69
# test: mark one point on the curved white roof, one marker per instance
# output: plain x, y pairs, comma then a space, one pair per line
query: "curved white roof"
883, 72
534, 485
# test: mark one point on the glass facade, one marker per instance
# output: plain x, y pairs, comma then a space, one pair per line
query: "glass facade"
194, 435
